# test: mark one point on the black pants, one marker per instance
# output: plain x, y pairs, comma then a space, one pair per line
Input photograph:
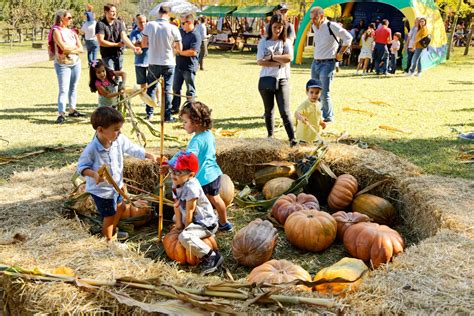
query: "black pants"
282, 96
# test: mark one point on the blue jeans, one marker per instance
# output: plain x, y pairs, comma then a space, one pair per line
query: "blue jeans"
381, 55
155, 72
114, 63
393, 63
181, 76
324, 72
409, 59
92, 49
416, 61
68, 77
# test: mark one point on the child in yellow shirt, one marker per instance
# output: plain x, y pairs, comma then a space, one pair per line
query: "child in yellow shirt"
308, 115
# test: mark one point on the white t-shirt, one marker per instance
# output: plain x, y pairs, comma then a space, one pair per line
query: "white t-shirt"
266, 47
89, 30
395, 47
161, 38
412, 35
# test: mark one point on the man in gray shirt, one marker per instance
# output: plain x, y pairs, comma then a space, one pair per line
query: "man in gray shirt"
163, 41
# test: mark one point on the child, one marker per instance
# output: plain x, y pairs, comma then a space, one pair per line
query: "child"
196, 117
367, 44
103, 80
394, 51
108, 147
193, 211
308, 114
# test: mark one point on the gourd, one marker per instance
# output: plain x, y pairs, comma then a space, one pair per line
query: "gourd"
290, 203
276, 187
342, 192
345, 220
377, 208
342, 277
177, 252
227, 189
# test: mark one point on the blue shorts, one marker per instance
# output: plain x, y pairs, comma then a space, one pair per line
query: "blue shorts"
140, 73
107, 207
213, 187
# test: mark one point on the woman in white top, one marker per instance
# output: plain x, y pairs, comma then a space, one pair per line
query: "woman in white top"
88, 29
367, 43
274, 54
67, 63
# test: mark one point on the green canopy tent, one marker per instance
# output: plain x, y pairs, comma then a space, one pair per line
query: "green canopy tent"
254, 11
214, 10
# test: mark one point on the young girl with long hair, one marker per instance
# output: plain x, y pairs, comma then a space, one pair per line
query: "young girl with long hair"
367, 43
104, 81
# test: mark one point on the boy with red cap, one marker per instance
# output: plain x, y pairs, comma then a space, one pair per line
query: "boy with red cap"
193, 211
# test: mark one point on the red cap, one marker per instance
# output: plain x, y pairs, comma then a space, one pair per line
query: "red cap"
184, 161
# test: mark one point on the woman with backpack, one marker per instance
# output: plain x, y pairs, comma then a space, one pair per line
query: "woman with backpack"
422, 40
65, 47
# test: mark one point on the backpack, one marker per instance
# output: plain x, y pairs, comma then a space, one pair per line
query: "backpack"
51, 44
425, 41
348, 50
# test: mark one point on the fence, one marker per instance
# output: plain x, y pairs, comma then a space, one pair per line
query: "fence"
11, 35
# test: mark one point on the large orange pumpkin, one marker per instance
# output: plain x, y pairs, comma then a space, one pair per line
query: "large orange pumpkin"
227, 189
177, 252
254, 244
344, 220
290, 203
342, 277
374, 242
137, 209
380, 210
311, 230
276, 187
342, 192
279, 271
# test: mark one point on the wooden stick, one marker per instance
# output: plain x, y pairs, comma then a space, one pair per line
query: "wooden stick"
162, 144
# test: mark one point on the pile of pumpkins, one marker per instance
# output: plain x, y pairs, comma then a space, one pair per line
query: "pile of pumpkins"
363, 231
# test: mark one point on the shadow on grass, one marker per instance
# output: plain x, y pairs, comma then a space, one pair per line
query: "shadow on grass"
240, 122
33, 114
464, 110
461, 82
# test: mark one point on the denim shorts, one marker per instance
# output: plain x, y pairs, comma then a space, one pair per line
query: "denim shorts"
107, 207
140, 73
213, 187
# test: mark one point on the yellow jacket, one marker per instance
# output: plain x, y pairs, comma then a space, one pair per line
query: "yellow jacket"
422, 33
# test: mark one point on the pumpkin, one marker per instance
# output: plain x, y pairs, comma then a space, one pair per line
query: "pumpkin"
279, 271
311, 230
319, 183
136, 209
342, 277
254, 244
227, 189
380, 210
344, 220
374, 242
342, 192
274, 169
177, 252
276, 187
287, 204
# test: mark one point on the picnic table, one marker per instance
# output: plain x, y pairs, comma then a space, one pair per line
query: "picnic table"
253, 37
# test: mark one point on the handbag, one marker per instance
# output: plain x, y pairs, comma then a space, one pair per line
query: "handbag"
268, 83
425, 41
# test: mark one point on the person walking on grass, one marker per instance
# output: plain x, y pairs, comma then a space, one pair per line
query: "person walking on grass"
163, 41
193, 213
411, 44
394, 48
88, 29
141, 61
326, 54
202, 29
65, 47
112, 37
416, 60
367, 47
108, 148
383, 36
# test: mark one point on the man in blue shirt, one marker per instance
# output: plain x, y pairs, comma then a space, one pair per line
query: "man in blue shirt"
187, 62
141, 61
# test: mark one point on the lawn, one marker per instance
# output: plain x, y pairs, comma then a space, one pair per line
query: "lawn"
431, 110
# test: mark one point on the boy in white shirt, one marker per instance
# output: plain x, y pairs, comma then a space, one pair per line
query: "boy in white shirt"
394, 52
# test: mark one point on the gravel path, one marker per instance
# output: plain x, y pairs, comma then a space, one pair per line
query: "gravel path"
23, 58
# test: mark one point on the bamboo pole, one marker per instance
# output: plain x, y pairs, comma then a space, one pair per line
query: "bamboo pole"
162, 144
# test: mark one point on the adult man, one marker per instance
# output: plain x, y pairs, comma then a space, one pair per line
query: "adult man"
383, 36
186, 61
141, 61
282, 9
202, 29
162, 39
111, 36
326, 54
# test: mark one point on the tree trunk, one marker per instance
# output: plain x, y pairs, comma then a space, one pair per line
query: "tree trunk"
469, 38
451, 35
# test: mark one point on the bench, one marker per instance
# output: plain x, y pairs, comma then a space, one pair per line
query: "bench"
37, 45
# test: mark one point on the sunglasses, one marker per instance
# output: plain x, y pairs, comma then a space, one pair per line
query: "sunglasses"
178, 172
68, 17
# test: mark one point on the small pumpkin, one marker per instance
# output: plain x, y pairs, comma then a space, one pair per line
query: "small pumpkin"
177, 252
374, 242
227, 189
254, 244
136, 209
311, 230
290, 203
343, 192
272, 170
276, 187
344, 220
377, 208
342, 277
279, 271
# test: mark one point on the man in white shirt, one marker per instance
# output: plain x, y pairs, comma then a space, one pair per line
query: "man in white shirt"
163, 41
327, 37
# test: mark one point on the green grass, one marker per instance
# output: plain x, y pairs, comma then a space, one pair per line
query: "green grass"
6, 48
433, 109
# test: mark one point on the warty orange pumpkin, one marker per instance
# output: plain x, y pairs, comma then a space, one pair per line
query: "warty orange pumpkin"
177, 252
343, 192
290, 203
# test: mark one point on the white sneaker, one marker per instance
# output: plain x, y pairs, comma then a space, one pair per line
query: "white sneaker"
418, 74
409, 74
